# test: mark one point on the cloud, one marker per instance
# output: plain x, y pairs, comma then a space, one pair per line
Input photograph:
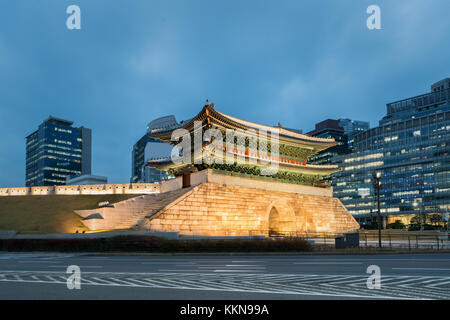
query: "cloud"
154, 61
297, 62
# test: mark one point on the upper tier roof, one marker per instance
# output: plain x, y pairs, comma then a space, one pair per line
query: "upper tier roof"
209, 113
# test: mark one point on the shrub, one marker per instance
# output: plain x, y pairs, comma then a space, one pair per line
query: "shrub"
153, 244
396, 225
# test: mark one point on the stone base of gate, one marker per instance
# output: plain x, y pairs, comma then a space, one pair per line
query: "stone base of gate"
235, 209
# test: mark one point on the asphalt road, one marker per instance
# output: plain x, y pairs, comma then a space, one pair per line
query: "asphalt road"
44, 276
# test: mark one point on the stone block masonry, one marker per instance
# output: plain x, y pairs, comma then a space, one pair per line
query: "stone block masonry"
228, 208
212, 209
214, 205
91, 189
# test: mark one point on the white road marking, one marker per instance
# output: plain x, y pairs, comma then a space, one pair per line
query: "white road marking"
234, 270
156, 262
124, 282
81, 267
439, 283
103, 280
244, 265
180, 270
419, 287
58, 257
252, 261
328, 263
39, 261
425, 269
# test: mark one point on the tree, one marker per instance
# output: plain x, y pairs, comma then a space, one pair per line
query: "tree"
372, 225
435, 219
416, 222
416, 219
420, 218
396, 225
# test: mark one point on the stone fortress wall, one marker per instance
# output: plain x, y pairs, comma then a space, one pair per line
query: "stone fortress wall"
216, 204
164, 186
92, 189
212, 204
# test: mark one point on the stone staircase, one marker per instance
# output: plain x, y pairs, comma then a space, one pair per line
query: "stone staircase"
128, 214
215, 209
150, 206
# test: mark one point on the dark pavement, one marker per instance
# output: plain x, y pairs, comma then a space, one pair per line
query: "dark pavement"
43, 276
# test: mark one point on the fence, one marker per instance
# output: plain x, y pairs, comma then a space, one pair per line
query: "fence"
406, 239
367, 239
317, 238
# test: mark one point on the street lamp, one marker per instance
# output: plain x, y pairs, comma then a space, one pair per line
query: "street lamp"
377, 186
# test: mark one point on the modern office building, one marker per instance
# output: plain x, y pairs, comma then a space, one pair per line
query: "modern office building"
85, 179
147, 148
342, 131
329, 128
352, 128
55, 151
411, 148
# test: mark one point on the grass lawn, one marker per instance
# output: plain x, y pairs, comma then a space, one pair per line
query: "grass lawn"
49, 214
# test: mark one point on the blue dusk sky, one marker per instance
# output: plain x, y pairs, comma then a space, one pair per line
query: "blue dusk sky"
268, 61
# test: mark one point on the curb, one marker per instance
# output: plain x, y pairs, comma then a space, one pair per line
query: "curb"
259, 253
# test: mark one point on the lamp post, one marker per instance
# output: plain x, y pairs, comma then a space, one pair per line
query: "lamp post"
377, 186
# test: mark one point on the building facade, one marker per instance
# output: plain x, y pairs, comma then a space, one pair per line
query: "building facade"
329, 129
147, 148
342, 131
352, 128
55, 151
86, 179
411, 148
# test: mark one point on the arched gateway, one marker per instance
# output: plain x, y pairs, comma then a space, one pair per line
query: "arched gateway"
281, 221
240, 198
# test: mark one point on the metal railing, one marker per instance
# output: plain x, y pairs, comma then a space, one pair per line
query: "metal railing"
367, 238
406, 239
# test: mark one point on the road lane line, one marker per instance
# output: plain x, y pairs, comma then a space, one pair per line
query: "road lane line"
81, 267
236, 270
439, 284
426, 269
328, 263
103, 280
252, 261
39, 261
335, 285
225, 267
244, 265
178, 271
157, 262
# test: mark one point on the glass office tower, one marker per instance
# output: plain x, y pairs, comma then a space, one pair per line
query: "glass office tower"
411, 148
352, 128
329, 128
147, 148
342, 131
57, 150
139, 156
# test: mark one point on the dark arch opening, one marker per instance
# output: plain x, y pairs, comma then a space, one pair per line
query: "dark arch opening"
274, 223
279, 225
